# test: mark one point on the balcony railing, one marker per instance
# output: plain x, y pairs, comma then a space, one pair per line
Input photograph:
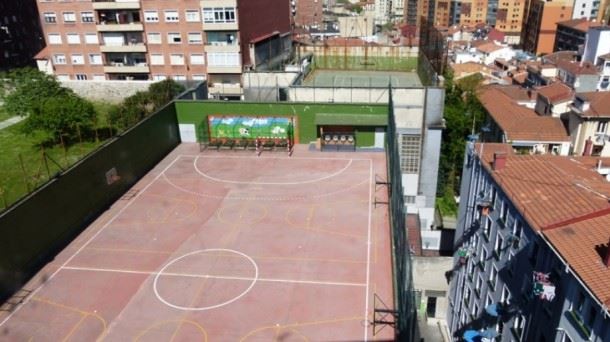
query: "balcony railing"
119, 27
113, 4
132, 47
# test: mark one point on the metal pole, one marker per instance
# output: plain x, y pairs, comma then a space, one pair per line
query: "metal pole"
25, 176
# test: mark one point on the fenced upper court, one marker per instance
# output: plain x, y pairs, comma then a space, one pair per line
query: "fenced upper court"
359, 79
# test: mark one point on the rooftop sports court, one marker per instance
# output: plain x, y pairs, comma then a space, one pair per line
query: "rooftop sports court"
224, 246
352, 78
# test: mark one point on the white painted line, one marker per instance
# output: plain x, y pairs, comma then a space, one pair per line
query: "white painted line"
227, 302
209, 276
223, 156
368, 254
131, 201
315, 180
263, 198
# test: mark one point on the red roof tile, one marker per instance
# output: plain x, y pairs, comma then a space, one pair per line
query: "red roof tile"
599, 103
518, 122
556, 92
581, 24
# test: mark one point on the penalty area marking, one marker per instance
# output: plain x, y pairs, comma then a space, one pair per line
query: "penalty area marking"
315, 180
187, 308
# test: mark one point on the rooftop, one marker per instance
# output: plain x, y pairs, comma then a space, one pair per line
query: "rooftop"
577, 68
578, 224
520, 123
599, 104
490, 47
556, 92
581, 24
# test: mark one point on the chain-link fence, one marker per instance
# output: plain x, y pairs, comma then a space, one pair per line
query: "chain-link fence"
406, 320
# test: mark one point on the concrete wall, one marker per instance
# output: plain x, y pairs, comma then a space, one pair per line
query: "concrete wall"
428, 277
107, 91
268, 79
339, 95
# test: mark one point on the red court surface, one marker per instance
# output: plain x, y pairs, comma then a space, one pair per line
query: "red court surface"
224, 246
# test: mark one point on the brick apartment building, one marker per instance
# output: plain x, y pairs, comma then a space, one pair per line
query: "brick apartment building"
538, 35
308, 13
157, 39
20, 33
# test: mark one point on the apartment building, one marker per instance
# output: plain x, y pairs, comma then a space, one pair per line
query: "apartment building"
509, 19
308, 13
540, 26
533, 258
20, 33
158, 39
571, 34
586, 9
393, 11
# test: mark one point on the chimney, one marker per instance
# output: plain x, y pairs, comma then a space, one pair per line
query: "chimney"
607, 256
499, 161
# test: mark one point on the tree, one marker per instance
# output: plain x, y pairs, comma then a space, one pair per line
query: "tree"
131, 110
65, 115
23, 90
163, 92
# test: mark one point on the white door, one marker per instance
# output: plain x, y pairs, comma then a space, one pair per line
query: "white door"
187, 133
379, 137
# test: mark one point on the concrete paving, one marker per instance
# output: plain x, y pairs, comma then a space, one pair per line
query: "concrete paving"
9, 122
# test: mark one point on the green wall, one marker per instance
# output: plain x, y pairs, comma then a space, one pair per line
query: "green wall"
36, 228
196, 112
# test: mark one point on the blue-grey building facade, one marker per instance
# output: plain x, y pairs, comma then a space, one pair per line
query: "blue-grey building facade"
497, 253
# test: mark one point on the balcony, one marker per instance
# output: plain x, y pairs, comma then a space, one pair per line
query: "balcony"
211, 48
225, 89
224, 69
123, 48
113, 27
120, 68
115, 4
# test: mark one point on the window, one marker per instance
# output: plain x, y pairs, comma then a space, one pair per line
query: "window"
489, 300
219, 15
50, 17
69, 17
159, 77
81, 77
91, 38
95, 59
505, 295
86, 17
499, 245
171, 16
157, 59
475, 309
194, 38
59, 59
579, 304
176, 59
486, 227
223, 59
517, 230
73, 38
78, 59
602, 126
154, 38
591, 316
197, 59
467, 296
54, 38
192, 15
409, 199
504, 212
478, 285
483, 258
519, 326
409, 153
151, 16
198, 77
493, 277
174, 38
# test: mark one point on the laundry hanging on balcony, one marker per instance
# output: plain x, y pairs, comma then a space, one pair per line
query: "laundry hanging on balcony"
482, 336
543, 288
463, 254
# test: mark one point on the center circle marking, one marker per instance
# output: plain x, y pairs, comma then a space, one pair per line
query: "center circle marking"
188, 308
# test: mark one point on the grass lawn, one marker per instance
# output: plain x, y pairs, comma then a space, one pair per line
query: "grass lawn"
16, 146
368, 63
4, 115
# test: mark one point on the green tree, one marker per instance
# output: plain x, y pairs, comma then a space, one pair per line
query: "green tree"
23, 90
61, 116
131, 110
463, 114
163, 92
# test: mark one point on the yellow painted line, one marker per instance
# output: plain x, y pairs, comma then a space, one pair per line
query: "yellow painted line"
73, 330
164, 322
70, 308
296, 325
